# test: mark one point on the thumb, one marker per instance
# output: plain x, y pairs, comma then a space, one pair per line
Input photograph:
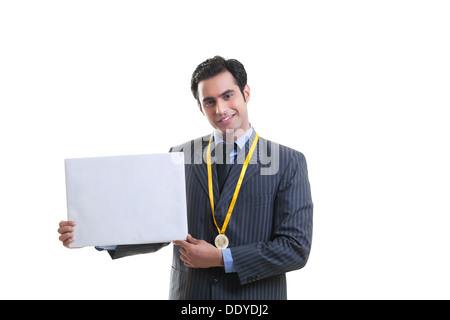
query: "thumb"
192, 240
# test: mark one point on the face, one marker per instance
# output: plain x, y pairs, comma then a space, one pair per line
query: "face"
222, 102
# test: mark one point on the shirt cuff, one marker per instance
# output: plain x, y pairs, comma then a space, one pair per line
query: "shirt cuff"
228, 260
106, 248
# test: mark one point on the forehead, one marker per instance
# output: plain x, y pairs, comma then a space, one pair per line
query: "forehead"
217, 85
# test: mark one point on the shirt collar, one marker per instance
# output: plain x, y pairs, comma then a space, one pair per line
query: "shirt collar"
240, 141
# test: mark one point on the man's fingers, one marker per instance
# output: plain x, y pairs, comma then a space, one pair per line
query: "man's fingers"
185, 243
189, 250
65, 236
184, 258
68, 242
182, 243
187, 262
192, 240
67, 223
183, 251
65, 229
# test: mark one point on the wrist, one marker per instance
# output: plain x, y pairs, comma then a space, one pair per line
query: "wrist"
220, 258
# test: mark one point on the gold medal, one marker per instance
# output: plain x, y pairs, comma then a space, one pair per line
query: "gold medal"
221, 241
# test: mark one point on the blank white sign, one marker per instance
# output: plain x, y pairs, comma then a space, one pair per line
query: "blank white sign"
127, 199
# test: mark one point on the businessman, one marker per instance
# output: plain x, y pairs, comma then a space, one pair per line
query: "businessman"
248, 201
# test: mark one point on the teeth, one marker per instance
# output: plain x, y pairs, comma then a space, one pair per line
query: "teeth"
226, 118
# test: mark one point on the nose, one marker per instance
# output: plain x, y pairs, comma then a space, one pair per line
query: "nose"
221, 107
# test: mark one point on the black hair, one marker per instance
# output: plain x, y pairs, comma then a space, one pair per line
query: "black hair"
212, 67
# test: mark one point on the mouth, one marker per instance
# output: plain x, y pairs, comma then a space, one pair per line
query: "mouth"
227, 119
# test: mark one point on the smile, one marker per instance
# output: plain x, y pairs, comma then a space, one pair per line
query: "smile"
227, 118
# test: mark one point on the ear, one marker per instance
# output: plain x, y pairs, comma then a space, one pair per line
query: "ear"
201, 109
247, 93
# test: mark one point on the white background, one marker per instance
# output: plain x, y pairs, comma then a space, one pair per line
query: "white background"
360, 87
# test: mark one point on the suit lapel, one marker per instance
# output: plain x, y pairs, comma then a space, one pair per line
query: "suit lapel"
233, 177
201, 169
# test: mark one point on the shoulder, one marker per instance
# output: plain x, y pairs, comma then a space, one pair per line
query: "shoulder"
279, 160
192, 149
190, 144
279, 151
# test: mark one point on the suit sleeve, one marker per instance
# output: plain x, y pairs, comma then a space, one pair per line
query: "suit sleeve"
292, 234
133, 249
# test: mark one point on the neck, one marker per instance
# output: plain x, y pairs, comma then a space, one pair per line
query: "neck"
231, 135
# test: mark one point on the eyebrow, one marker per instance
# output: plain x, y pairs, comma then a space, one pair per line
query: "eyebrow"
227, 92
221, 95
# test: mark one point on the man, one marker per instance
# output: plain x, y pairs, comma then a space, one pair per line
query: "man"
248, 201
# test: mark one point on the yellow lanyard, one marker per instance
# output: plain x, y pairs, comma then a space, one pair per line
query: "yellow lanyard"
238, 186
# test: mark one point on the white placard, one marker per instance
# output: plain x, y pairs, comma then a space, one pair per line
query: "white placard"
127, 199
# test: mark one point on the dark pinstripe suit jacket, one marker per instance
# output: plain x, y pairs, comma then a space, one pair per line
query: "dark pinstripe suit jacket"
270, 229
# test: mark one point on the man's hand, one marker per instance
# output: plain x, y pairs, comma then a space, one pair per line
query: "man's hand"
199, 253
66, 231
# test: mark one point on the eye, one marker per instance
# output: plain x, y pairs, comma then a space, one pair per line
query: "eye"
228, 96
208, 103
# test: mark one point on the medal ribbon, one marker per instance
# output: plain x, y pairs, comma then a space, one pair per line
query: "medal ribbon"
238, 186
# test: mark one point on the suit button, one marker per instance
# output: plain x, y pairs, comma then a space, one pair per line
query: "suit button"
215, 281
